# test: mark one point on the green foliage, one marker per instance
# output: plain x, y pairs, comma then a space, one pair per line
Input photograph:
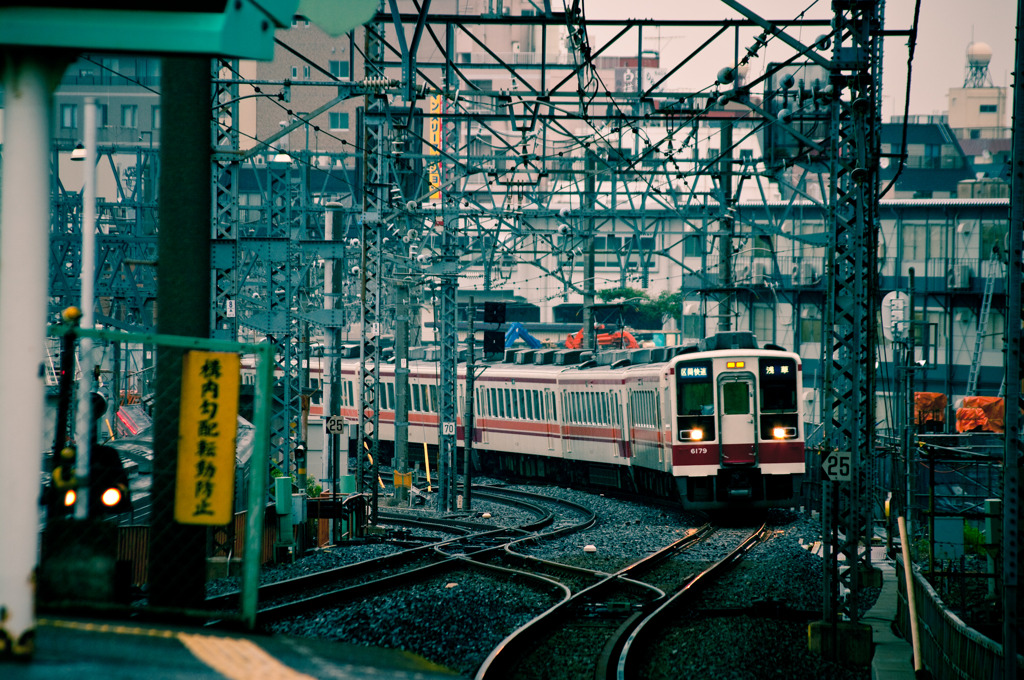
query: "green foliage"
974, 541
312, 488
646, 312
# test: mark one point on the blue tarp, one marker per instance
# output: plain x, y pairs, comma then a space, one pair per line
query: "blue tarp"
518, 332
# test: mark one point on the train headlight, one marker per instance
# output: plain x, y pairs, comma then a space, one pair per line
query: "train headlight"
783, 432
694, 435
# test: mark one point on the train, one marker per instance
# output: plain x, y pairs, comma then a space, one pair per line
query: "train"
715, 425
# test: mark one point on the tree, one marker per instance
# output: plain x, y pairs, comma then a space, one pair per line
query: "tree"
639, 310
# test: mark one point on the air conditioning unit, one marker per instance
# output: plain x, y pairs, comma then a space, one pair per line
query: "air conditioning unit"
805, 274
960, 277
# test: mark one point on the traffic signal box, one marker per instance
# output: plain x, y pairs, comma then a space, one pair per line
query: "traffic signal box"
63, 490
494, 341
108, 483
494, 312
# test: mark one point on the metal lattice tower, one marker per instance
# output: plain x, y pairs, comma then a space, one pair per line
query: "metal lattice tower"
848, 353
127, 253
375, 194
224, 318
448, 326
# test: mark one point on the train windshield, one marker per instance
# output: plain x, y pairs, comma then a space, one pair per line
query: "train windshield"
778, 384
695, 394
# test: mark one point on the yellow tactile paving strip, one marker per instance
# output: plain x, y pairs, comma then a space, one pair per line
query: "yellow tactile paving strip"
238, 658
234, 658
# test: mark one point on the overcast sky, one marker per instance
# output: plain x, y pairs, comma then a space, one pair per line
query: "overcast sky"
946, 28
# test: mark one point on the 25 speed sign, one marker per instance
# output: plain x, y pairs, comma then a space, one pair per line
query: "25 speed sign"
838, 466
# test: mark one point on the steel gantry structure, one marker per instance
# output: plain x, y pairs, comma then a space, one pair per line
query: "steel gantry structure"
543, 141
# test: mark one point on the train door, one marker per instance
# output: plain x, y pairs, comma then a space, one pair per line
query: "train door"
548, 417
618, 437
737, 429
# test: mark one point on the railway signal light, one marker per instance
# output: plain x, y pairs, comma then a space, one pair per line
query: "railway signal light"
61, 494
494, 312
108, 483
494, 342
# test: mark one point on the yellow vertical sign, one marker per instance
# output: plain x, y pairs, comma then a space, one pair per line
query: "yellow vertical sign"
435, 137
207, 426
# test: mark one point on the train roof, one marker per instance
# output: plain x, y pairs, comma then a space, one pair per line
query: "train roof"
548, 360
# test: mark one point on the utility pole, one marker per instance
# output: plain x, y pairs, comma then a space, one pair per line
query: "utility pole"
401, 383
590, 195
728, 225
337, 461
467, 430
1013, 461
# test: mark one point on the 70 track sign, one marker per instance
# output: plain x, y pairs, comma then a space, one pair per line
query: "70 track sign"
838, 466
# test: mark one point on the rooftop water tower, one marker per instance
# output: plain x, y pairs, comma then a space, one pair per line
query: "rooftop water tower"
979, 55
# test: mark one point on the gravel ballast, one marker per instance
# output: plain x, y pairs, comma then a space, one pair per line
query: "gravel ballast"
458, 619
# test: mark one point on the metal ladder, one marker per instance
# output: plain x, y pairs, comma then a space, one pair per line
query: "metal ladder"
986, 307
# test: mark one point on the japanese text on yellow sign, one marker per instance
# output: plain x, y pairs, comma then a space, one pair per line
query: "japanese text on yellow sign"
435, 137
206, 438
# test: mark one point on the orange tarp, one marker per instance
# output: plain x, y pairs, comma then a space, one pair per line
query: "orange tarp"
981, 413
929, 407
575, 341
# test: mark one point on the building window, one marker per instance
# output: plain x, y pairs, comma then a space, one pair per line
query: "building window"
295, 72
156, 117
692, 328
810, 323
693, 246
338, 68
763, 320
68, 116
305, 72
101, 115
988, 108
129, 116
625, 251
338, 120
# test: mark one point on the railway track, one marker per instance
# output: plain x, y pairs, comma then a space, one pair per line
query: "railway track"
601, 630
474, 546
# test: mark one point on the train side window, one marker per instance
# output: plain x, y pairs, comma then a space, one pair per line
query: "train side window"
528, 395
433, 398
415, 397
514, 395
554, 410
735, 398
351, 399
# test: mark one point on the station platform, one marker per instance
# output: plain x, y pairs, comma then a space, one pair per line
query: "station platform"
80, 649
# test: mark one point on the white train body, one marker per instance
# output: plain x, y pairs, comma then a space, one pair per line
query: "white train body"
716, 425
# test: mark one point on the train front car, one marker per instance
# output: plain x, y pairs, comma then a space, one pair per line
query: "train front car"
738, 439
